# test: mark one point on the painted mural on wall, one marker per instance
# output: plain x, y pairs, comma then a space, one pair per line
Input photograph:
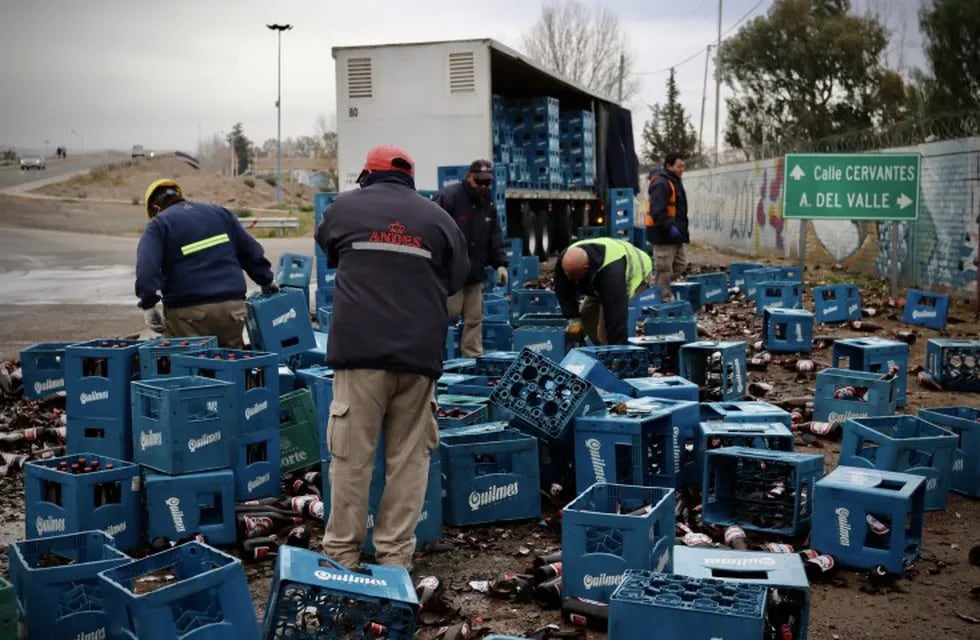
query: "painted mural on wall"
739, 207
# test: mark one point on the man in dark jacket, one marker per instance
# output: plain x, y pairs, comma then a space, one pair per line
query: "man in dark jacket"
667, 221
191, 255
470, 205
607, 272
398, 257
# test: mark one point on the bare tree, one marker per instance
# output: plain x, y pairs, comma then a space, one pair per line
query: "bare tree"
583, 45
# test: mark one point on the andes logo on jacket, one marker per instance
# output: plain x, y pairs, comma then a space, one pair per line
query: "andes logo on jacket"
396, 234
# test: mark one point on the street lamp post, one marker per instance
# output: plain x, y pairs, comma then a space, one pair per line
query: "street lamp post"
279, 28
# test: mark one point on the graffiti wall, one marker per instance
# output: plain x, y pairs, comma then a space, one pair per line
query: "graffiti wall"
739, 207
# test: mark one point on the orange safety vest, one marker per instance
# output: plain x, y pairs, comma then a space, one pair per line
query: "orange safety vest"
671, 201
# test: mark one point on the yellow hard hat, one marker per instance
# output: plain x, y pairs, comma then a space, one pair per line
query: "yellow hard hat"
159, 184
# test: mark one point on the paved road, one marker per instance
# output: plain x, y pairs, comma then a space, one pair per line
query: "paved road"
56, 171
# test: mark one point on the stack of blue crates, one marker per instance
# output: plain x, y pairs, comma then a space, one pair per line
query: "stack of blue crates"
619, 210
577, 134
536, 126
324, 281
296, 271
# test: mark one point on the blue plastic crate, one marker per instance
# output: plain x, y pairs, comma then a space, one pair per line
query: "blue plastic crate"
452, 415
761, 490
964, 422
903, 443
623, 361
97, 377
59, 501
551, 320
717, 367
524, 301
736, 272
782, 572
714, 287
489, 477
524, 269
326, 280
472, 385
649, 297
779, 294
664, 387
862, 394
256, 463
774, 436
451, 349
749, 411
323, 298
680, 607
496, 308
689, 292
465, 366
686, 330
253, 375
955, 364
287, 380
589, 368
926, 309
847, 497
156, 356
601, 539
664, 350
875, 355
447, 175
43, 368
319, 380
309, 585
208, 598
311, 357
323, 316
620, 209
836, 303
498, 336
63, 600
787, 330
493, 363
544, 397
678, 310
184, 424
295, 270
111, 437
321, 203
753, 277
280, 322
647, 446
179, 506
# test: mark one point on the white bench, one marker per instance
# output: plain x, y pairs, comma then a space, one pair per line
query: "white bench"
271, 223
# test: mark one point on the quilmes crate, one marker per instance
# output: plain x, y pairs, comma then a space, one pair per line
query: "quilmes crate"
714, 287
680, 607
311, 357
955, 364
787, 330
544, 397
843, 394
208, 598
254, 376
875, 355
256, 462
926, 309
587, 367
490, 477
323, 316
498, 336
548, 341
156, 356
523, 269
686, 329
866, 517
524, 301
319, 380
312, 598
665, 387
645, 446
465, 366
689, 292
541, 319
752, 411
295, 270
736, 272
287, 380
179, 506
964, 422
775, 436
279, 322
623, 361
450, 416
492, 363
299, 440
43, 368
779, 294
903, 443
760, 490
778, 572
753, 277
719, 367
97, 377
836, 303
664, 350
57, 587
183, 424
60, 497
610, 528
496, 308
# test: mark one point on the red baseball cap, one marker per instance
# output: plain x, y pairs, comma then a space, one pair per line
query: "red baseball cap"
389, 158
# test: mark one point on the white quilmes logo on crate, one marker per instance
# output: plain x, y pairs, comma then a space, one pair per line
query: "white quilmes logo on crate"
199, 443
601, 580
958, 464
176, 514
349, 578
256, 409
423, 515
115, 529
676, 334
150, 439
712, 292
922, 313
370, 521
297, 274
738, 562
293, 458
830, 309
258, 482
595, 455
852, 308
98, 634
493, 494
212, 406
843, 526
49, 525
94, 396
841, 416
50, 384
739, 383
538, 347
799, 333
931, 484
676, 446
284, 318
330, 277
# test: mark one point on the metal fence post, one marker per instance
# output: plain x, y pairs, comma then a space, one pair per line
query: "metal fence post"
894, 268
803, 223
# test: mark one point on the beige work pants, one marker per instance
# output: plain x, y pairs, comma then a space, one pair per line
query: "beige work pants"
222, 319
468, 301
363, 401
670, 262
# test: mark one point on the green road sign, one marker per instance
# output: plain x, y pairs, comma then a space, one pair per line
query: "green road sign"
851, 186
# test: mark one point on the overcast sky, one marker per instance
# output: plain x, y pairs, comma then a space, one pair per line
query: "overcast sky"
119, 72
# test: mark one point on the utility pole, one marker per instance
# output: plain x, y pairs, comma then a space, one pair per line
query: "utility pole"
279, 28
622, 71
704, 99
717, 84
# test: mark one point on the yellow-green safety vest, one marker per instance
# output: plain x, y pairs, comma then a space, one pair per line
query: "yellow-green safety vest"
639, 266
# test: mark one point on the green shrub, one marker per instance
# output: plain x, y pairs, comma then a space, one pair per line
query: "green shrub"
249, 183
242, 213
270, 180
306, 208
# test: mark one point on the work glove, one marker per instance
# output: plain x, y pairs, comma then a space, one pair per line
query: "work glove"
575, 329
502, 276
153, 318
269, 289
675, 233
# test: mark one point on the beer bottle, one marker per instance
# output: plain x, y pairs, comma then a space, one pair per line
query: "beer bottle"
585, 613
547, 595
547, 572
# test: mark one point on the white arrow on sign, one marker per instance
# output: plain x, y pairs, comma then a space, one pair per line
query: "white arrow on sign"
904, 201
797, 172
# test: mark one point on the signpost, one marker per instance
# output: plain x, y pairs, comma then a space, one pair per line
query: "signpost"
852, 186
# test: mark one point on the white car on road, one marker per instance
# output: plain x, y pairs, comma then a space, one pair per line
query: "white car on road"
32, 162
